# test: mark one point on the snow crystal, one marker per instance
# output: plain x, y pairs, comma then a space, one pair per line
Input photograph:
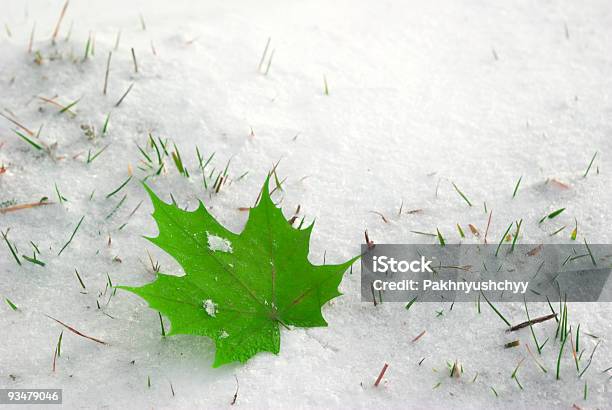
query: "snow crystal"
210, 307
216, 243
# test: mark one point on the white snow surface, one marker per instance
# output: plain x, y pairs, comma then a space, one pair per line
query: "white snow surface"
417, 99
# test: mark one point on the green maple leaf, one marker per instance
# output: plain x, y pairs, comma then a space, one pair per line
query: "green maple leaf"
238, 288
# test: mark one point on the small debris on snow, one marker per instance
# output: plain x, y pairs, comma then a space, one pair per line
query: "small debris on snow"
216, 243
210, 307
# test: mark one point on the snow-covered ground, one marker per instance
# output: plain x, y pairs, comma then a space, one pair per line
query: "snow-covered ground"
475, 92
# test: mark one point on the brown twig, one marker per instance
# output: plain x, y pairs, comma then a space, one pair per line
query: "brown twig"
532, 322
420, 335
381, 374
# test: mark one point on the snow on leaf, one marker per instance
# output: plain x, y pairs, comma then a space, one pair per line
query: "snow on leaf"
210, 307
241, 296
216, 243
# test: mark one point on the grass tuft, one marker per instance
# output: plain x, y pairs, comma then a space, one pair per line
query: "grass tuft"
91, 158
178, 162
516, 234
558, 374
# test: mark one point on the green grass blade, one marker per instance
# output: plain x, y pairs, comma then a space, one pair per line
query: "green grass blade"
465, 198
29, 141
495, 310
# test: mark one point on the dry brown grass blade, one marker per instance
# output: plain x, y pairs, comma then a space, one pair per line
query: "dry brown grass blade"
53, 102
474, 230
54, 358
558, 184
488, 225
76, 332
535, 251
59, 21
23, 127
23, 206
